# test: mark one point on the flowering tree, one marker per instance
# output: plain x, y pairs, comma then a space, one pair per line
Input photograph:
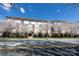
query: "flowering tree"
5, 28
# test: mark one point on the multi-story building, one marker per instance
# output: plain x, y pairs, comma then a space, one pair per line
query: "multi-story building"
28, 25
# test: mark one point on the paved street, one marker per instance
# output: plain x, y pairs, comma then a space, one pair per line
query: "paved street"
50, 47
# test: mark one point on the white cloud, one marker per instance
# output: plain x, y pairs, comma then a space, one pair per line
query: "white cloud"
58, 10
22, 10
6, 6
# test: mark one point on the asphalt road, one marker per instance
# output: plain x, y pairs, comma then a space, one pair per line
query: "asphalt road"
51, 47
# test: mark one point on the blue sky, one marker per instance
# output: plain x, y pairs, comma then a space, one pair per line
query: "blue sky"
44, 11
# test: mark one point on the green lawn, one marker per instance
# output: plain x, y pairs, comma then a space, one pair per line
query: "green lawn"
66, 38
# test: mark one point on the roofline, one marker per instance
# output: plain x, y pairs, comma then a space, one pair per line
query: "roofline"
12, 17
29, 19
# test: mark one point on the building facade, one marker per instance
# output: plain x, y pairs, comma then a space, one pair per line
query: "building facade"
28, 25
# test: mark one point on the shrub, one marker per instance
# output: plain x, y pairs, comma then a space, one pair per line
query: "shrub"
46, 35
35, 35
17, 34
40, 34
6, 34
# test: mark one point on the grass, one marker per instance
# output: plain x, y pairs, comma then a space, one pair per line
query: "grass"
65, 38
